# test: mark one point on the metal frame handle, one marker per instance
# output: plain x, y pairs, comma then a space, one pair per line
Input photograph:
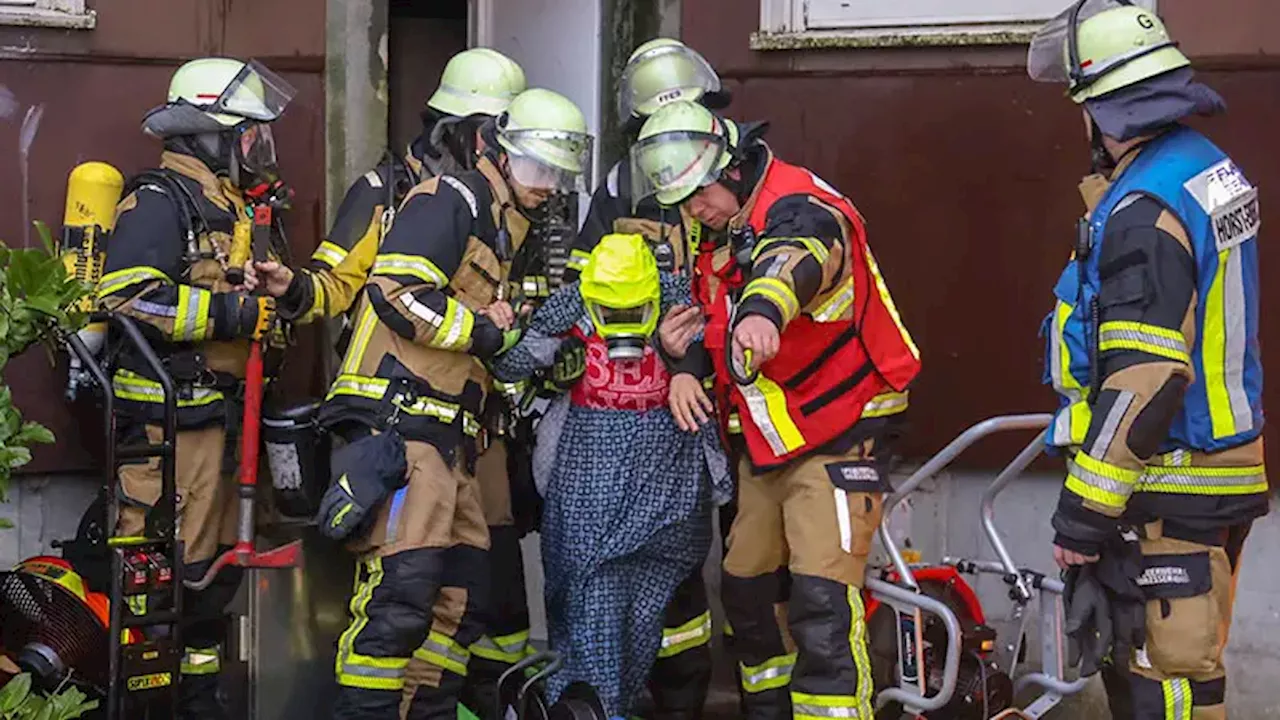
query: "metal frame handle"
937, 464
951, 665
1002, 481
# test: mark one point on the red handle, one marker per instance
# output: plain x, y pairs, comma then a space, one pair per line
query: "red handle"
252, 416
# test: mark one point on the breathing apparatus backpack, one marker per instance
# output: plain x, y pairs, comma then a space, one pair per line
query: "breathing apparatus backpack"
93, 192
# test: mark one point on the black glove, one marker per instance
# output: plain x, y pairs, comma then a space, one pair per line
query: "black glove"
569, 364
1118, 569
1089, 623
364, 473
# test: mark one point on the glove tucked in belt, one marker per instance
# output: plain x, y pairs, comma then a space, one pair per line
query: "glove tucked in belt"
364, 473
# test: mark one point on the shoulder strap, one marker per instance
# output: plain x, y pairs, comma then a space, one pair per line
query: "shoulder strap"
190, 219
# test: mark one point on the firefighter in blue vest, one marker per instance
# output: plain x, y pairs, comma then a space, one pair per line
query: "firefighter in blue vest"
1153, 347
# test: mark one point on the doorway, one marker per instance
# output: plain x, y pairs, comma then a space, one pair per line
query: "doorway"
423, 35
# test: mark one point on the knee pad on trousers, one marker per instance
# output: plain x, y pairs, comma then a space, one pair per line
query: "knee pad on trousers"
399, 608
749, 606
821, 615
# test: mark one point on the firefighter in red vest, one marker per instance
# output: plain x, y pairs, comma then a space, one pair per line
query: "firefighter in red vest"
811, 364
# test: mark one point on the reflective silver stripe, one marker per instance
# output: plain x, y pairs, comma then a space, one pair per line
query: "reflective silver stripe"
1102, 482
700, 630
350, 668
1190, 480
464, 191
1177, 699
373, 178
759, 411
367, 387
412, 305
1111, 424
329, 255
768, 673
806, 710
1111, 335
420, 268
1233, 306
1062, 427
155, 308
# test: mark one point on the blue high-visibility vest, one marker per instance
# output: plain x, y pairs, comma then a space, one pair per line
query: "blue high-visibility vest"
1199, 184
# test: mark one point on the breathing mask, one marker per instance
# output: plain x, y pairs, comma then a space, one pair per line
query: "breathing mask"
621, 291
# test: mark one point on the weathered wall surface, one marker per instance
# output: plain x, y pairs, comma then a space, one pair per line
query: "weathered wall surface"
93, 87
966, 173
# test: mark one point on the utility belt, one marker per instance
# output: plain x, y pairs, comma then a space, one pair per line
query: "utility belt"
202, 393
410, 405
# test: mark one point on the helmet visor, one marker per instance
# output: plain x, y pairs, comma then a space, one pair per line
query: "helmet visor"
662, 75
258, 148
555, 160
672, 166
1049, 56
638, 321
256, 93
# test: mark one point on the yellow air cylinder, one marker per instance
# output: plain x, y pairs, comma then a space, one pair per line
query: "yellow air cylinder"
93, 191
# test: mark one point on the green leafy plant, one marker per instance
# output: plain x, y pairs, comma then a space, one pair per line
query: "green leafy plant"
38, 302
18, 701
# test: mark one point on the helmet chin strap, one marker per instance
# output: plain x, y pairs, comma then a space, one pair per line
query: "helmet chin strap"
1100, 157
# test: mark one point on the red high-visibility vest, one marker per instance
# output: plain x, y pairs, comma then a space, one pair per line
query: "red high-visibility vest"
850, 347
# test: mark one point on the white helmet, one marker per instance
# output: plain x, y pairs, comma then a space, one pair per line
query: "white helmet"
478, 81
214, 94
545, 135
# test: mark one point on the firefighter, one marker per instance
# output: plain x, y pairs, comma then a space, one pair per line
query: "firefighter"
1154, 351
167, 266
812, 363
476, 86
432, 313
660, 71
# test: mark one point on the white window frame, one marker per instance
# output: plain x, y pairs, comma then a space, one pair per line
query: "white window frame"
785, 25
65, 14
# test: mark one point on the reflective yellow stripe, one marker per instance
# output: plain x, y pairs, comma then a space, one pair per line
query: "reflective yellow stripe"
329, 254
1177, 699
735, 424
1072, 425
412, 265
1205, 480
884, 404
470, 425
362, 671
577, 259
455, 332
861, 658
778, 293
191, 323
695, 633
771, 674
768, 407
509, 649
812, 244
120, 279
821, 707
132, 386
1150, 339
201, 661
360, 340
1101, 482
887, 299
835, 306
1223, 348
443, 652
359, 386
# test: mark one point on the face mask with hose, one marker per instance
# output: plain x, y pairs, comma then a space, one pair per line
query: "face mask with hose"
621, 291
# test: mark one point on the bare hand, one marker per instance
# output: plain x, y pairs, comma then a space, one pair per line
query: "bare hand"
1066, 558
758, 334
501, 314
273, 276
689, 403
678, 328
